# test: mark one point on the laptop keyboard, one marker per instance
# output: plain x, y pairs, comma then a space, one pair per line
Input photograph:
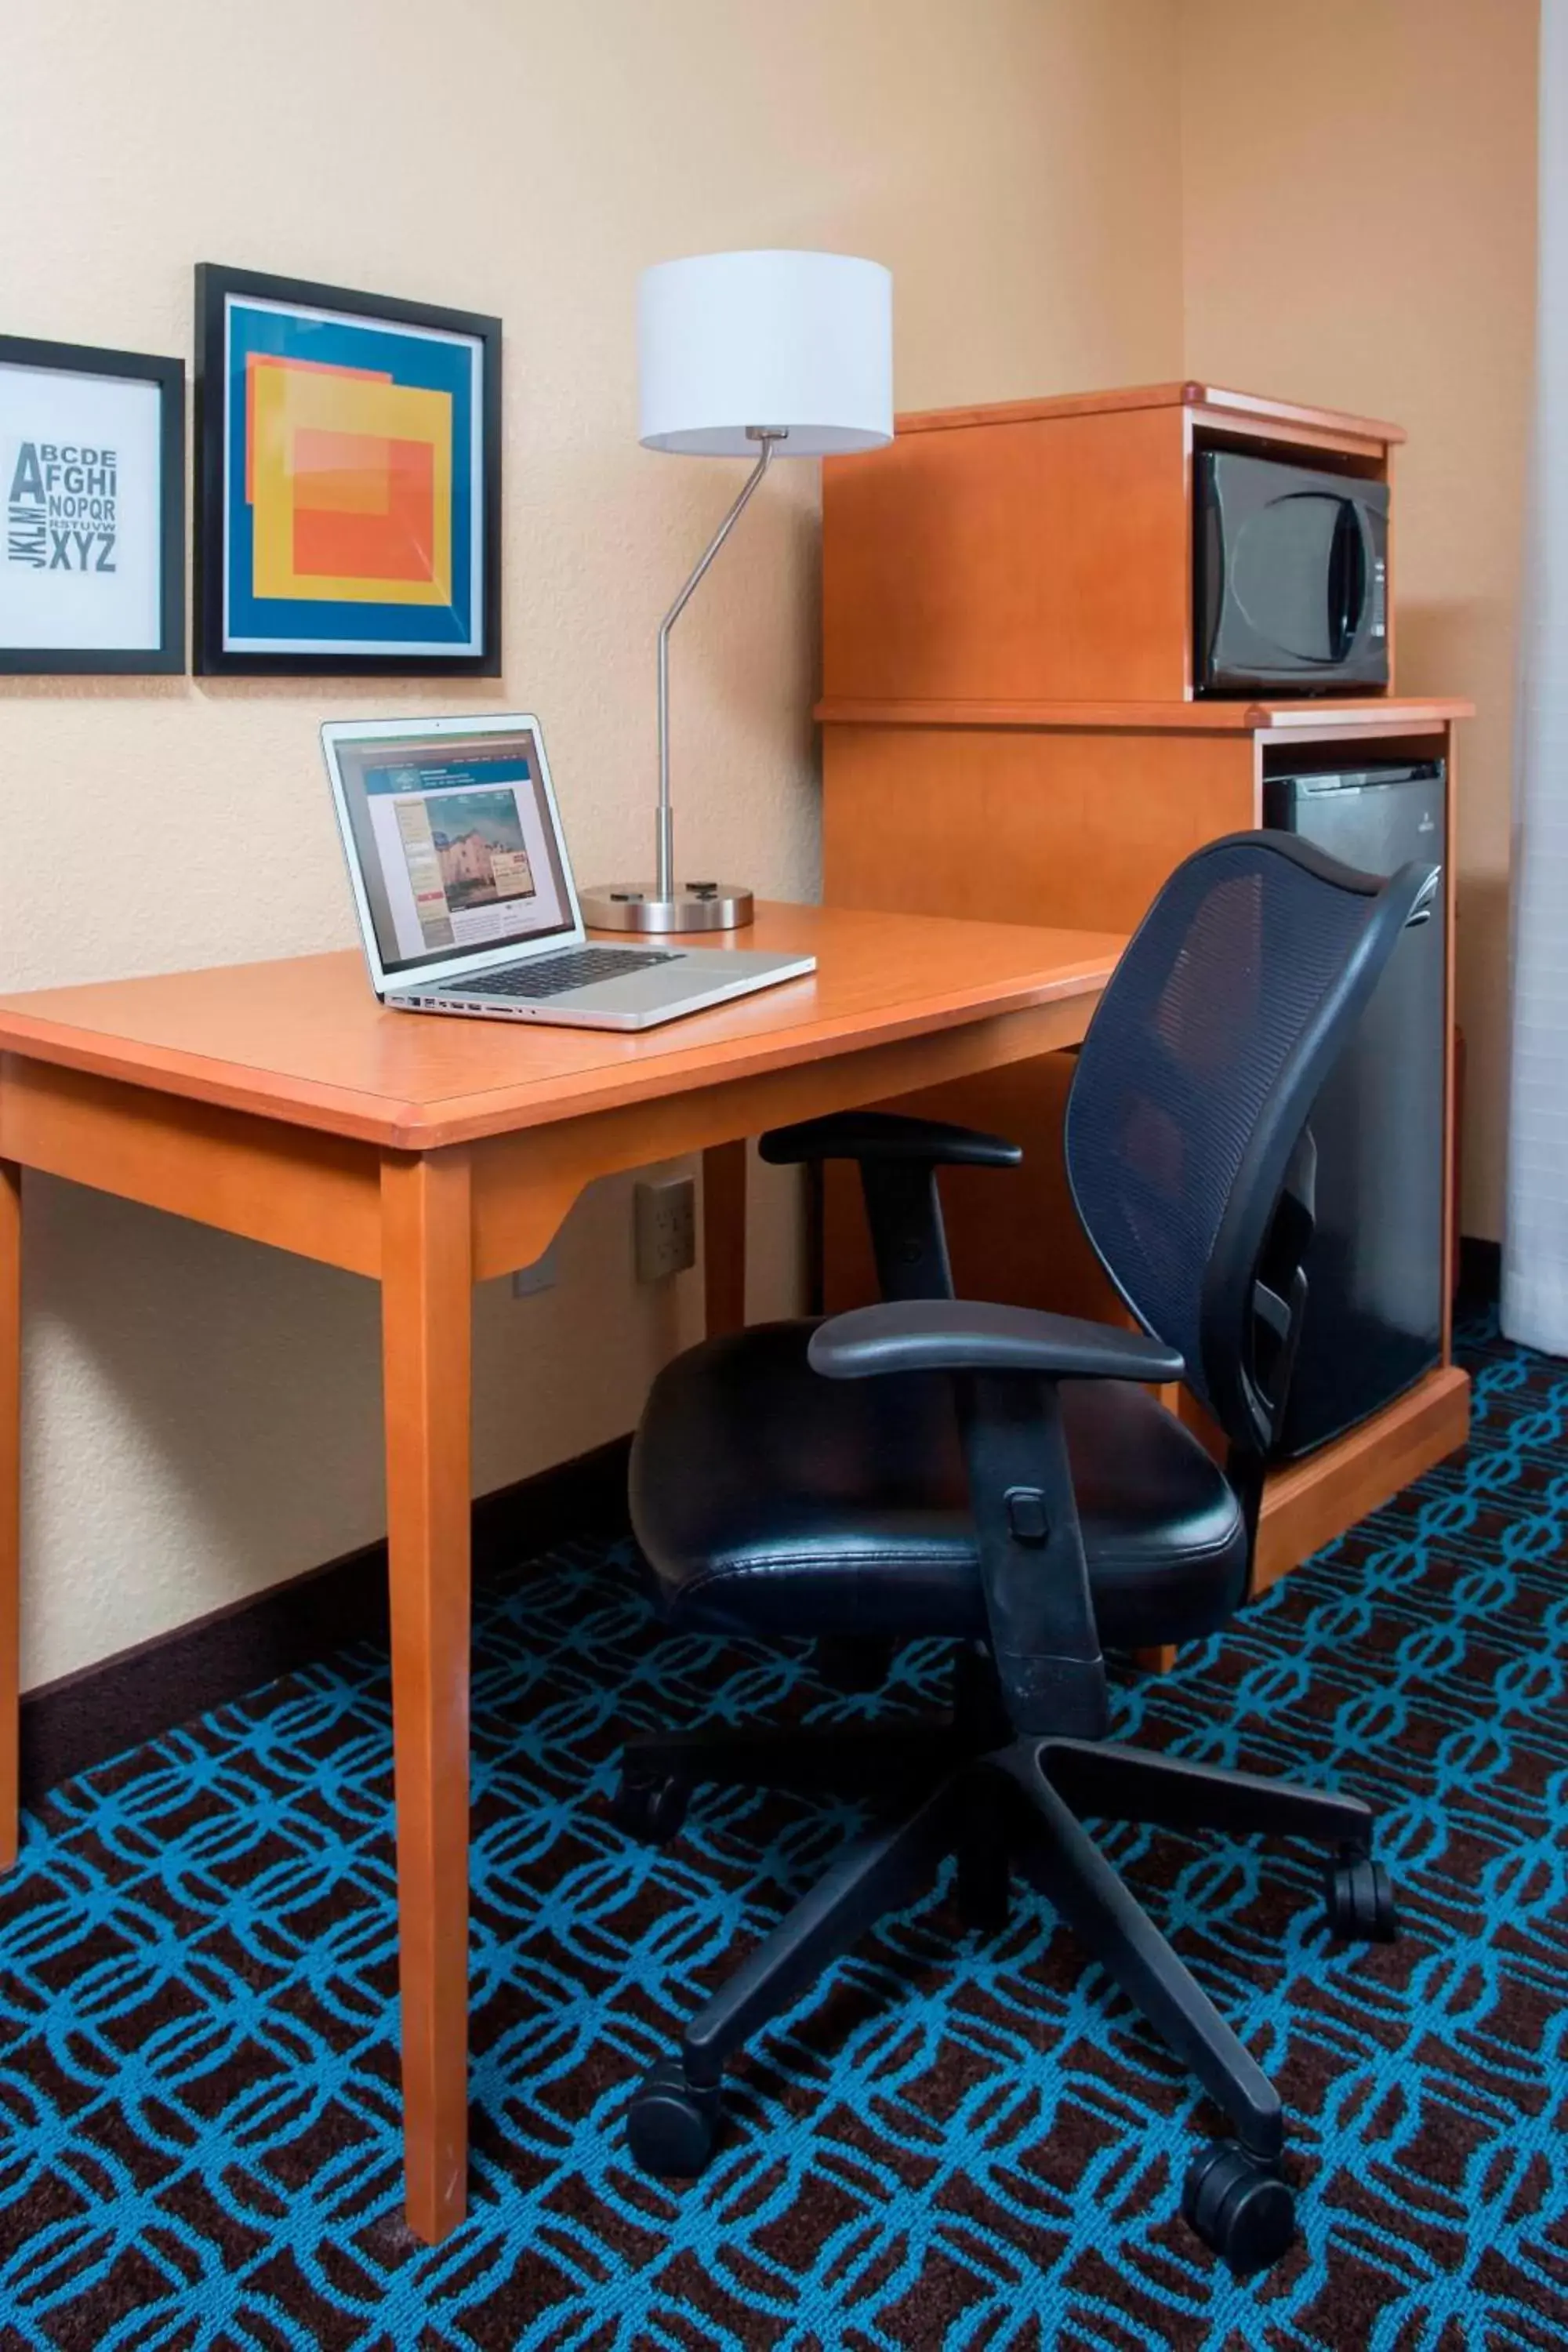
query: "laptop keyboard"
576, 968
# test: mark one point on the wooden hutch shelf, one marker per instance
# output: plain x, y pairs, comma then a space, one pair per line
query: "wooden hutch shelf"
1269, 419
1319, 717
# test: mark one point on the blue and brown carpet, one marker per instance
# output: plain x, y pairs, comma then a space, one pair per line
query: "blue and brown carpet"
948, 2144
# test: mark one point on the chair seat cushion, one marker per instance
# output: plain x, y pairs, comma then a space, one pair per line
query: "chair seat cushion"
771, 1500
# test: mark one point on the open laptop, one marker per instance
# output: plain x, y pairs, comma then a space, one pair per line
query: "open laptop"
465, 893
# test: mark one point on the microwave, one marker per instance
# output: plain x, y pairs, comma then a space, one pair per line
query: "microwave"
1290, 577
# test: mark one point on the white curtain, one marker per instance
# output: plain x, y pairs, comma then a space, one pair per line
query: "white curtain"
1535, 1245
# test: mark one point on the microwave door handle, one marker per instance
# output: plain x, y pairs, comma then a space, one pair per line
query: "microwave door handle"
1350, 569
1372, 620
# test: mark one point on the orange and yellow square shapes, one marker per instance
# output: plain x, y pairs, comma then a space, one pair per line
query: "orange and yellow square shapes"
350, 484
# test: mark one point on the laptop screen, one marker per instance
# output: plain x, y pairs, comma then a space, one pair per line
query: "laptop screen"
455, 844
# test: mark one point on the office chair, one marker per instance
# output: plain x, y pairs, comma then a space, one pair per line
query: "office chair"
1008, 1478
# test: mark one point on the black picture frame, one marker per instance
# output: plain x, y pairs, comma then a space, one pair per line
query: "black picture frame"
168, 656
214, 284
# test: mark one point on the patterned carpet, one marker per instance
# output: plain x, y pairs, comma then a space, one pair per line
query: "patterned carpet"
948, 2145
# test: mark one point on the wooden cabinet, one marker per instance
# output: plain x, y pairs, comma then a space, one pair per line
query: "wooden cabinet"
1009, 732
1042, 551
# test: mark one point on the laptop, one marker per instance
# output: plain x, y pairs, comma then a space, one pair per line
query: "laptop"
464, 888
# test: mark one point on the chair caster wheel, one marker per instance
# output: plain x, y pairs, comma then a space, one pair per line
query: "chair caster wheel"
650, 1810
1239, 2206
672, 2125
1361, 1906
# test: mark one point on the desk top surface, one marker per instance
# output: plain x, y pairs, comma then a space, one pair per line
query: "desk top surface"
305, 1040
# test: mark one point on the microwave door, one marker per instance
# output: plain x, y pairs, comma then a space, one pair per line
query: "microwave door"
1280, 585
1291, 588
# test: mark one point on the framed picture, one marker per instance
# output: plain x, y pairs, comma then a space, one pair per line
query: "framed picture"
348, 481
92, 469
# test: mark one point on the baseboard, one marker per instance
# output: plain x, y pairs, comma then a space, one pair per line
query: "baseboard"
84, 1718
1480, 1273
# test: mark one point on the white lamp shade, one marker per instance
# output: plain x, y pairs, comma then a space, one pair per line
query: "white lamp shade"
801, 342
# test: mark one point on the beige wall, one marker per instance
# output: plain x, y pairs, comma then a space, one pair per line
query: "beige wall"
1359, 230
200, 1414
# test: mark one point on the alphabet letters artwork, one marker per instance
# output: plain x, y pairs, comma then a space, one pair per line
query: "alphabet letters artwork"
92, 536
62, 508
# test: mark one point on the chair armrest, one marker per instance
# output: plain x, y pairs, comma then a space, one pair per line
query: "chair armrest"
962, 1335
882, 1137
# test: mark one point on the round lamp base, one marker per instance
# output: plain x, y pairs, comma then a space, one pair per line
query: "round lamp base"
695, 906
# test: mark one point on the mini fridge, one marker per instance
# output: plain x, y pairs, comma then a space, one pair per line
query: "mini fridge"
1375, 1270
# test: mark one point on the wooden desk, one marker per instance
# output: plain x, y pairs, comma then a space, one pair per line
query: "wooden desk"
279, 1101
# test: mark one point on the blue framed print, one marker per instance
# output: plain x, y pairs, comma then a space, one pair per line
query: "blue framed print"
348, 481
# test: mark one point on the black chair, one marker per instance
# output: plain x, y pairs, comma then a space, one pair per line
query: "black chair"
1008, 1479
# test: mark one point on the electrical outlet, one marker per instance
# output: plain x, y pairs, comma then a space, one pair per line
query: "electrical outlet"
666, 1224
541, 1275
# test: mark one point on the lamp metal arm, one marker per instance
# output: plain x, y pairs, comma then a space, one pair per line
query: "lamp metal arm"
664, 839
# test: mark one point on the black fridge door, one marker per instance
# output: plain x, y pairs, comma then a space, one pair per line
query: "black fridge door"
1375, 1270
1292, 577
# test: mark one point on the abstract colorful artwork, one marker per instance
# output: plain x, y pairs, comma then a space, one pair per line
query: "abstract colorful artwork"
348, 480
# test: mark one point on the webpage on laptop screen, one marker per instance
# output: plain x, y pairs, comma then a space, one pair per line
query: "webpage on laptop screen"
464, 854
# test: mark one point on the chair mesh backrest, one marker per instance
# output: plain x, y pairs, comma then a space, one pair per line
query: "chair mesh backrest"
1184, 1059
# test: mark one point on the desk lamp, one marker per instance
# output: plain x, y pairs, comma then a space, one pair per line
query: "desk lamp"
758, 355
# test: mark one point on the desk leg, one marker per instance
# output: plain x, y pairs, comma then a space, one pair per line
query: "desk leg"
10, 1494
724, 1237
426, 1309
